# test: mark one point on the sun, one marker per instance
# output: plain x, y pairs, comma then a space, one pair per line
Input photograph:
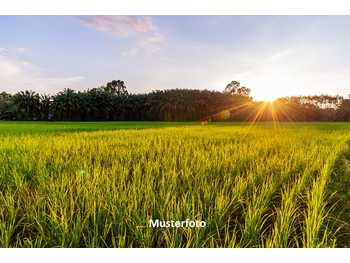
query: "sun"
269, 88
273, 83
267, 95
267, 98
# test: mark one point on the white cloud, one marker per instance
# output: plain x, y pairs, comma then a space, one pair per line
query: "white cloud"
152, 43
18, 74
3, 51
21, 49
11, 67
148, 38
146, 45
285, 53
132, 52
121, 26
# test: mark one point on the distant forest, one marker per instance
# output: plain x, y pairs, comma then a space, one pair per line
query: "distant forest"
113, 102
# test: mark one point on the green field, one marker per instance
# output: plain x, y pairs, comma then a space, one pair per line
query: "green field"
29, 127
97, 184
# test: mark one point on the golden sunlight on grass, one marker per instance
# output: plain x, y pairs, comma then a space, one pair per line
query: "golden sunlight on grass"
274, 111
265, 188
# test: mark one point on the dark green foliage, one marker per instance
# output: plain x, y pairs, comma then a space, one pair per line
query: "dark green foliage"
113, 103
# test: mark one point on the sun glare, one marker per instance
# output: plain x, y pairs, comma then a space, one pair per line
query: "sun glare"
274, 83
269, 92
267, 98
268, 95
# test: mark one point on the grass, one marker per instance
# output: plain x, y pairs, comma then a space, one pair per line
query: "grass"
30, 127
97, 184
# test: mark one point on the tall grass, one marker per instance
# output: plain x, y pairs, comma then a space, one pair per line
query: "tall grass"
257, 186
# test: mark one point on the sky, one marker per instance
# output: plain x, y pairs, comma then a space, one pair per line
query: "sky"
274, 56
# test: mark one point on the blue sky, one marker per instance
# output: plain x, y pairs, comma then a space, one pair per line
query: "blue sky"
272, 55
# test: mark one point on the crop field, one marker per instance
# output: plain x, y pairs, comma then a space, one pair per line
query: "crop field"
98, 184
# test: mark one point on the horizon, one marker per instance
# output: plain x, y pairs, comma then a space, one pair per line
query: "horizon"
148, 131
274, 56
222, 91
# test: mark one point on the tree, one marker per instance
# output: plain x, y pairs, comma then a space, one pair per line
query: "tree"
243, 91
116, 87
232, 87
45, 105
28, 105
343, 112
8, 108
114, 103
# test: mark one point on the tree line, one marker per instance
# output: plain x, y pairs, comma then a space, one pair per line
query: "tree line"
112, 102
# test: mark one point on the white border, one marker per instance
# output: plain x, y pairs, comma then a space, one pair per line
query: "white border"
174, 7
175, 255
